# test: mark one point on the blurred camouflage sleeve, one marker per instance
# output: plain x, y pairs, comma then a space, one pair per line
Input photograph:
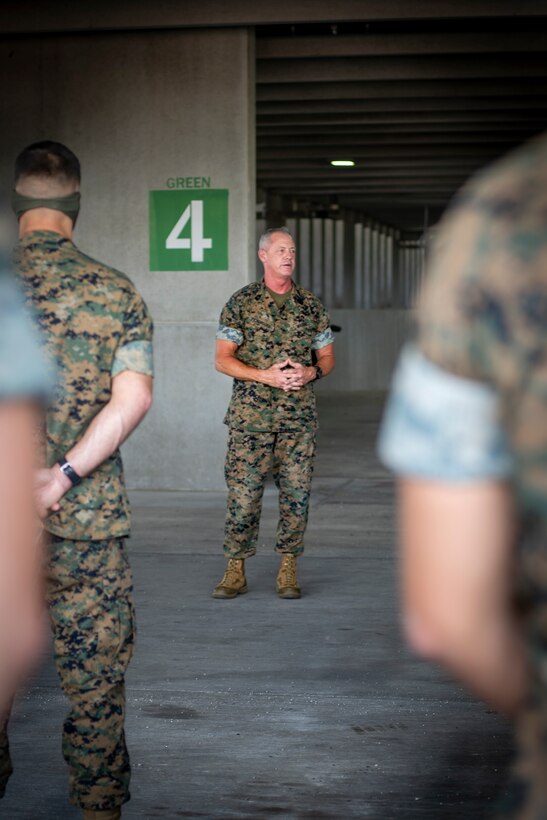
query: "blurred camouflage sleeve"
24, 368
230, 326
135, 350
460, 315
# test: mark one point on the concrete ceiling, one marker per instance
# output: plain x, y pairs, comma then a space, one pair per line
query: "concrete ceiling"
419, 93
417, 104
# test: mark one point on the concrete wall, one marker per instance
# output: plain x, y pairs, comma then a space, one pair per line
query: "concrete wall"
138, 108
367, 348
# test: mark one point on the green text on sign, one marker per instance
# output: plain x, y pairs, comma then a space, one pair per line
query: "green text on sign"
189, 230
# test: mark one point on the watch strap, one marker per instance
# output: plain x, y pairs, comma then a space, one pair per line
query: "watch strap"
67, 469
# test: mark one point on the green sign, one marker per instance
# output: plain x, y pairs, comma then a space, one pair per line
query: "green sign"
189, 230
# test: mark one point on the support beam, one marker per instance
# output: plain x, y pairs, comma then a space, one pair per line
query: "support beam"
466, 106
395, 181
357, 69
398, 45
104, 15
374, 89
362, 188
334, 142
379, 163
386, 152
413, 128
425, 119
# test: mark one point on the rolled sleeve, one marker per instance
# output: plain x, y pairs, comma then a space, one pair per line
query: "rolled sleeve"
230, 325
322, 339
441, 426
229, 334
136, 356
135, 347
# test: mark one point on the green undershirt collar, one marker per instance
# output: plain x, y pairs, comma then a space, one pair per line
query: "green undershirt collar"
279, 298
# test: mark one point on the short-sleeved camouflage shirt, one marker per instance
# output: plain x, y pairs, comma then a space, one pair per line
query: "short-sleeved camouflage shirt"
266, 334
483, 314
95, 325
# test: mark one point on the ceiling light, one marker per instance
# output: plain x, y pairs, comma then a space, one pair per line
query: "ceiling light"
342, 162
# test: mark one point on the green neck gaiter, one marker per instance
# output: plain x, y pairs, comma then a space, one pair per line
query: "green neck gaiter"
69, 205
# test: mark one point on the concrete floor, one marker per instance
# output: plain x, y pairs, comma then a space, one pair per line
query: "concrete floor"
259, 708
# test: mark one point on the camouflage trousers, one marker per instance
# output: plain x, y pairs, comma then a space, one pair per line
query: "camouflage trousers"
250, 457
89, 595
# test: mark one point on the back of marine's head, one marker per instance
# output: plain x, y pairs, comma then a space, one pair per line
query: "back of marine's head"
47, 175
47, 169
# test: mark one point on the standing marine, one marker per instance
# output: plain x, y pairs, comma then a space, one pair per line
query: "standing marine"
267, 335
98, 333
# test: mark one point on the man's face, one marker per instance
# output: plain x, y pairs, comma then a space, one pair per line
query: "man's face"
279, 258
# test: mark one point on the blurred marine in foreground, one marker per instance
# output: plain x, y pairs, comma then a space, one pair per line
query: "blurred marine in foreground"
24, 385
98, 333
466, 433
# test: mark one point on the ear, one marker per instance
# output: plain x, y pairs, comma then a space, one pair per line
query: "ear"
262, 255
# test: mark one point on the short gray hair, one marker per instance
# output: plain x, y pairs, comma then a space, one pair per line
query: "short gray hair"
266, 238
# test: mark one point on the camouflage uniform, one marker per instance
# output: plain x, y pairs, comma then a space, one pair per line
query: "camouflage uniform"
270, 429
95, 325
482, 332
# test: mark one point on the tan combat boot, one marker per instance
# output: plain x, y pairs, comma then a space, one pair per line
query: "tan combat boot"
287, 583
105, 814
233, 582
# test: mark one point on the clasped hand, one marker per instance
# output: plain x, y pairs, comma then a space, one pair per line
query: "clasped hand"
289, 375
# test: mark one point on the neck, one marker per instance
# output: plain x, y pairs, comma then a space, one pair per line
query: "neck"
45, 219
279, 284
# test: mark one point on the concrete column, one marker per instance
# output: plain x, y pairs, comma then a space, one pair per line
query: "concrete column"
419, 267
292, 224
382, 262
317, 256
260, 228
414, 274
328, 263
405, 276
339, 259
423, 264
374, 265
303, 253
367, 266
140, 109
397, 301
358, 262
409, 276
390, 244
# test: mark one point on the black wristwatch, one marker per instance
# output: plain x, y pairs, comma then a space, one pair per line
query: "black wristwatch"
318, 372
68, 470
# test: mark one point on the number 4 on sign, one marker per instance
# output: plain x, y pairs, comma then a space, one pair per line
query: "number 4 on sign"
197, 243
